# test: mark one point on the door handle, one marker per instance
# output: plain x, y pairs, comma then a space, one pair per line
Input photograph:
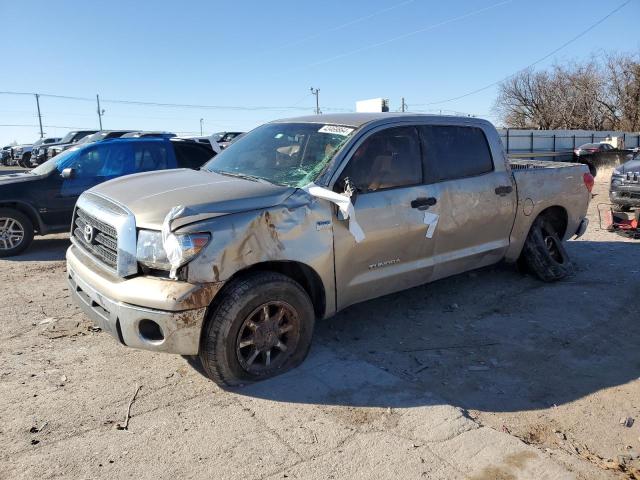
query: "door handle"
422, 203
504, 190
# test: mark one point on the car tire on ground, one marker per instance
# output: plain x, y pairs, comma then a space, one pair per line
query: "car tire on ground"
544, 253
16, 232
260, 327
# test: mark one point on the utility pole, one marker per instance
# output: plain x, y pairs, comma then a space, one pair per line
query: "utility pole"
316, 92
201, 120
100, 112
39, 116
402, 108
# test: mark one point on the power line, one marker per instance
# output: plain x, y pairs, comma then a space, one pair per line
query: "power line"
175, 105
409, 34
550, 54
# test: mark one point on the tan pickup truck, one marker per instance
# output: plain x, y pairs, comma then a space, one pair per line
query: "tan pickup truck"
300, 218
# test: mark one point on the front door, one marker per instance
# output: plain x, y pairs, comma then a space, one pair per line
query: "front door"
390, 206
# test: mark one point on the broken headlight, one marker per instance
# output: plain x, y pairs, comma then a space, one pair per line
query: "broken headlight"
178, 249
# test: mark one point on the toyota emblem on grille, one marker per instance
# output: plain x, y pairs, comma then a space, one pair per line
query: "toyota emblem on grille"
88, 233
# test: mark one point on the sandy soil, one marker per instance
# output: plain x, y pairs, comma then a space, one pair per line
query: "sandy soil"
549, 367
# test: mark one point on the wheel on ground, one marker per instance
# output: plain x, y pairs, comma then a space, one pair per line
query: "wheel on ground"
260, 327
544, 253
16, 232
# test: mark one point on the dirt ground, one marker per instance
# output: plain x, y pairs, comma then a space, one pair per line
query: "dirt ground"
487, 375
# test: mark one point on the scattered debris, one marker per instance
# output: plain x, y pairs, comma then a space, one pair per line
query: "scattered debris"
626, 422
35, 442
36, 429
125, 424
46, 320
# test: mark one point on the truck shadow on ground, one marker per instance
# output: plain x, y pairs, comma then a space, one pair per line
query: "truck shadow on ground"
44, 249
491, 340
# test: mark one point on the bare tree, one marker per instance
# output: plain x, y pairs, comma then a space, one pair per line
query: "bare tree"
593, 95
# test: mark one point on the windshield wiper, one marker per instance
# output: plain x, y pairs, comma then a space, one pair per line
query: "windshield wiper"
246, 176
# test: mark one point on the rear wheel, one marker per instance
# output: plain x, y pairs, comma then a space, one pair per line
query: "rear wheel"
544, 253
261, 327
16, 232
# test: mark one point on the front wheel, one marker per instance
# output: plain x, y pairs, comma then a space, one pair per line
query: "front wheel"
544, 253
16, 232
260, 327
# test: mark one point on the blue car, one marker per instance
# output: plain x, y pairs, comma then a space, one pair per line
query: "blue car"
41, 201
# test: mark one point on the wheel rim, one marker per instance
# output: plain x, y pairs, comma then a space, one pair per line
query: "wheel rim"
268, 337
551, 243
11, 233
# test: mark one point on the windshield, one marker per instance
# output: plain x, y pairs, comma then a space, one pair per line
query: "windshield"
291, 154
56, 163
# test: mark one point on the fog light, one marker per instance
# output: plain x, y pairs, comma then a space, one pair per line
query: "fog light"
150, 330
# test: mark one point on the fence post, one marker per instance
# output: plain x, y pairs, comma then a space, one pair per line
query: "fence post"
507, 140
531, 147
554, 143
592, 138
574, 141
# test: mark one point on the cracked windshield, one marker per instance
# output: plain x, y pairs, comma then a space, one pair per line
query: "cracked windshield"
291, 154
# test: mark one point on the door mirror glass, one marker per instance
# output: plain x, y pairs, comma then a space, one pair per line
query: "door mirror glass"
68, 173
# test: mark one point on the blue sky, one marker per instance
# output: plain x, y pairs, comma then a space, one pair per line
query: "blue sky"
250, 53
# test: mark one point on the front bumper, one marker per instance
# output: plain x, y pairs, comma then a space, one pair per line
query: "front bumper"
628, 196
172, 329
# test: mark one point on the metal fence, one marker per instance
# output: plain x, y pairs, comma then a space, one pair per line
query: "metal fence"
560, 141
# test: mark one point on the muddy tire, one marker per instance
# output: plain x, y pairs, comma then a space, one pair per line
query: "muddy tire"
544, 254
260, 327
16, 232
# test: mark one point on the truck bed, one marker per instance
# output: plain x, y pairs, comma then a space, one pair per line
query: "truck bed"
541, 185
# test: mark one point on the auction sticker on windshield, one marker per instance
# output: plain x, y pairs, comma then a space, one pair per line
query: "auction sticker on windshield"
336, 129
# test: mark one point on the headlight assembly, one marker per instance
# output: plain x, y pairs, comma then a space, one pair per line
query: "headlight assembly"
176, 251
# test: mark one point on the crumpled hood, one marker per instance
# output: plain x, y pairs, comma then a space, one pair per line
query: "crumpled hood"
18, 178
150, 196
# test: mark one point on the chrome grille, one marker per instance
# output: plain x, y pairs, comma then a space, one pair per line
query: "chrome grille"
102, 243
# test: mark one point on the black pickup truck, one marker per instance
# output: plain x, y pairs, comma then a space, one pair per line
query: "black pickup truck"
41, 201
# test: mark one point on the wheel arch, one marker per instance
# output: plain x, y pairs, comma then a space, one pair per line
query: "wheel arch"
300, 272
27, 210
557, 216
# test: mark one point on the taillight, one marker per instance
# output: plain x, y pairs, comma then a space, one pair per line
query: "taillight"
588, 181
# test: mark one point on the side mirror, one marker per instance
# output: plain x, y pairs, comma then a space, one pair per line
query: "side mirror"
68, 173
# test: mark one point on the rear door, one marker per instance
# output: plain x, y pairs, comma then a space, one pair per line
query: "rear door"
390, 205
477, 198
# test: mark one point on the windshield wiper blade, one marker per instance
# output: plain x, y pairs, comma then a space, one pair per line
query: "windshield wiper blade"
246, 176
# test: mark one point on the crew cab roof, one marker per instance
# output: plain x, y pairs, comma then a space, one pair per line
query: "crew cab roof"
357, 120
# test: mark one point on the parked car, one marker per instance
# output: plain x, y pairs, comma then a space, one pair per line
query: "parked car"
624, 191
41, 201
5, 155
224, 139
207, 141
302, 218
149, 134
39, 154
95, 137
597, 155
22, 153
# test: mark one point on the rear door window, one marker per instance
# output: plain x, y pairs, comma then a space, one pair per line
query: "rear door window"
150, 156
452, 152
192, 155
387, 159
